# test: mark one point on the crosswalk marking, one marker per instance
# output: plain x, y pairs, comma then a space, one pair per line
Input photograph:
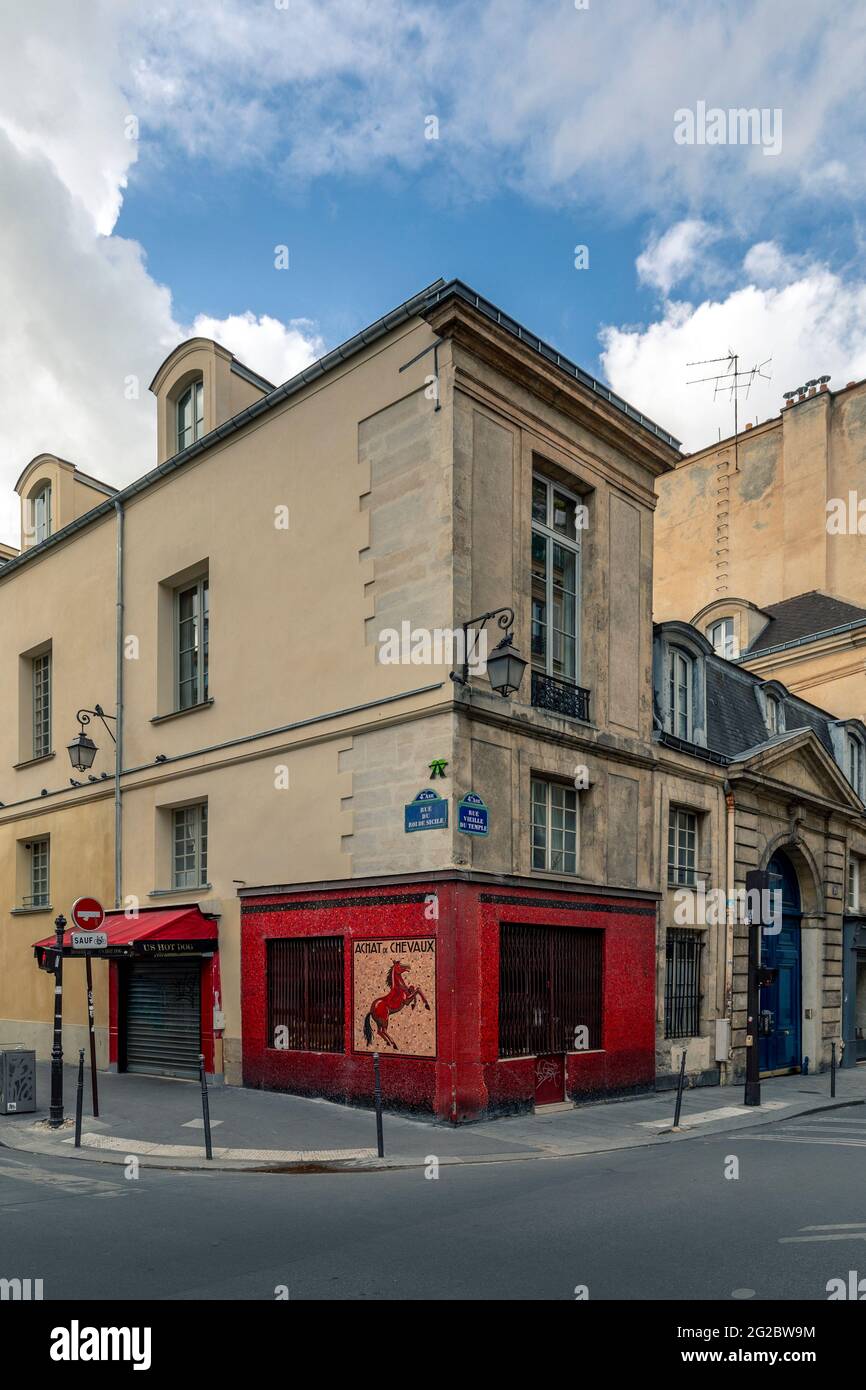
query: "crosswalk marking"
839, 1230
838, 1226
805, 1240
724, 1112
839, 1142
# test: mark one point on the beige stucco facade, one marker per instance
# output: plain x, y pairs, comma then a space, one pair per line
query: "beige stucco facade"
368, 496
776, 512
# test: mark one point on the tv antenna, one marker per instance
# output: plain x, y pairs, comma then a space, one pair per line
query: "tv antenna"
732, 380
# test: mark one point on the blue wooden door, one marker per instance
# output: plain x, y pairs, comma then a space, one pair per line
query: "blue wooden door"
781, 1002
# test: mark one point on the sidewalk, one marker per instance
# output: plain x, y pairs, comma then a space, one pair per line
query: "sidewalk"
159, 1121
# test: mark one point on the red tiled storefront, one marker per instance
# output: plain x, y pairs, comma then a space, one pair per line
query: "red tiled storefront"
447, 934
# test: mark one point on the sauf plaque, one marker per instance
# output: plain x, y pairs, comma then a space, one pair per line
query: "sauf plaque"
394, 996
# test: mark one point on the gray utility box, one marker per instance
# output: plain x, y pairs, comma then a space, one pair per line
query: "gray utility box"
17, 1081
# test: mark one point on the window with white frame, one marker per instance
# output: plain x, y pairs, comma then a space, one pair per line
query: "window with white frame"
721, 634
39, 876
555, 581
682, 846
190, 415
852, 897
40, 668
855, 763
554, 827
680, 687
189, 846
40, 513
775, 716
192, 620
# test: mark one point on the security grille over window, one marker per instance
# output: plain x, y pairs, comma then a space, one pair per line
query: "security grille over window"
550, 985
306, 994
683, 983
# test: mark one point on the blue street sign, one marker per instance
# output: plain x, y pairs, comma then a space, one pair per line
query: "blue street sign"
472, 815
429, 811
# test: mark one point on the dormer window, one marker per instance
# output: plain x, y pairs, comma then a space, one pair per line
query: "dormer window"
190, 415
721, 634
680, 685
41, 507
855, 760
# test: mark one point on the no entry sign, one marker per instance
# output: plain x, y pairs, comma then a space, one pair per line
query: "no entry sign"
88, 914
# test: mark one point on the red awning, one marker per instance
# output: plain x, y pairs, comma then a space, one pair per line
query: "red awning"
154, 932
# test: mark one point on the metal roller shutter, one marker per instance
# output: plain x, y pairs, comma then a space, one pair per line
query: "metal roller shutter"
163, 1017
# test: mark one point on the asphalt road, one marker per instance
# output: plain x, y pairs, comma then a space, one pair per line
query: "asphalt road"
661, 1223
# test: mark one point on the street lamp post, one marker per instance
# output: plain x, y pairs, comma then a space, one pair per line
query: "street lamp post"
505, 665
55, 1114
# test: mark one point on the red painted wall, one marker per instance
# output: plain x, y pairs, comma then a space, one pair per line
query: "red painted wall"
467, 1080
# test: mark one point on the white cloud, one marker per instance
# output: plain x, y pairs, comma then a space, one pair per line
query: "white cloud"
549, 99
276, 350
810, 325
81, 314
558, 103
676, 254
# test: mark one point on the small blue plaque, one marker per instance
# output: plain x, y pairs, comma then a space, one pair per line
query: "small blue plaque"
472, 815
429, 811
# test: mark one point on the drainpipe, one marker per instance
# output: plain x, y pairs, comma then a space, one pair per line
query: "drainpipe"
730, 916
118, 680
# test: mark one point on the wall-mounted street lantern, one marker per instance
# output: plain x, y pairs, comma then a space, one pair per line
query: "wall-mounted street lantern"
82, 749
505, 665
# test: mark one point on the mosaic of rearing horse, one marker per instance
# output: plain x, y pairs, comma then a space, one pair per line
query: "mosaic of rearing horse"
400, 993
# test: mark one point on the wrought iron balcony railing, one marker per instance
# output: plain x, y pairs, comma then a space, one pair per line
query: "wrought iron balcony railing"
560, 697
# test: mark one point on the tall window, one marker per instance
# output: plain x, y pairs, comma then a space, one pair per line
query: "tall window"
189, 846
555, 581
775, 719
683, 983
721, 635
853, 894
41, 502
306, 991
191, 643
855, 763
680, 682
682, 846
554, 827
39, 895
190, 415
41, 680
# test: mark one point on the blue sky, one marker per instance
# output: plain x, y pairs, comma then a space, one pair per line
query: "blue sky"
152, 157
358, 247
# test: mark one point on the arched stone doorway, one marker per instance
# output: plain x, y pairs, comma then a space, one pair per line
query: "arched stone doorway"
781, 1002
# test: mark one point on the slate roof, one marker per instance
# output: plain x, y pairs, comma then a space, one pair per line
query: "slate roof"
802, 617
734, 720
734, 717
